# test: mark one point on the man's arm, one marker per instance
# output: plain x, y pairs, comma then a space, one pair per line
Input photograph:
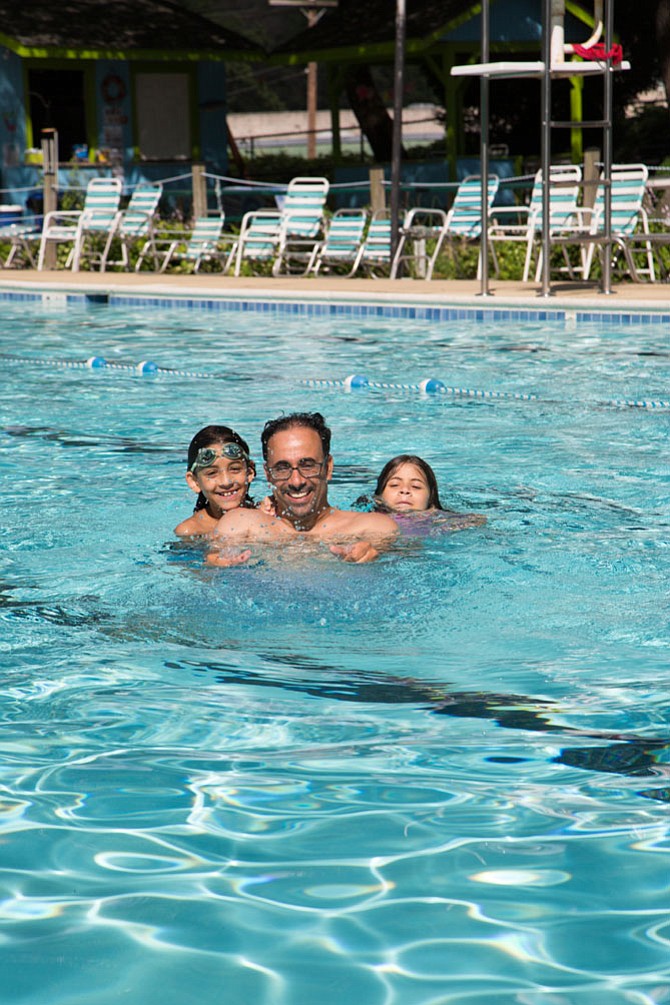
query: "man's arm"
225, 561
361, 551
374, 531
233, 527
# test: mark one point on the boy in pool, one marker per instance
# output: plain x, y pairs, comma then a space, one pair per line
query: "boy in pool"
407, 485
220, 471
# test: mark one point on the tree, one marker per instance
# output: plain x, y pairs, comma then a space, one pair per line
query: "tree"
644, 136
370, 110
663, 42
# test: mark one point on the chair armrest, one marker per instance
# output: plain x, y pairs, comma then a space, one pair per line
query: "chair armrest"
430, 211
581, 220
519, 222
497, 211
62, 214
270, 215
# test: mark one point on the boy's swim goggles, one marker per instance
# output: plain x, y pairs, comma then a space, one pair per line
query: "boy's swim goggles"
207, 455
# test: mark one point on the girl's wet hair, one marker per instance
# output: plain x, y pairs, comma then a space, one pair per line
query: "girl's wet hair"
390, 469
209, 436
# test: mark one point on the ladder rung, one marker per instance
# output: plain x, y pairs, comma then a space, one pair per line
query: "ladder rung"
602, 123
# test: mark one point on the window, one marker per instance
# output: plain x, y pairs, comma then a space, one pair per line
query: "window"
163, 115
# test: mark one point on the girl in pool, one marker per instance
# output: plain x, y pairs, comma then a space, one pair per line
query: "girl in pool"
407, 486
220, 471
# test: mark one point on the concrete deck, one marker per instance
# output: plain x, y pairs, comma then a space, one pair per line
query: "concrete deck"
647, 297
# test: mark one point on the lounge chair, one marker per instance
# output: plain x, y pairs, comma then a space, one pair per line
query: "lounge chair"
422, 225
285, 236
23, 239
135, 223
629, 226
648, 244
463, 221
259, 238
343, 244
464, 218
524, 223
420, 241
97, 218
202, 245
375, 258
302, 223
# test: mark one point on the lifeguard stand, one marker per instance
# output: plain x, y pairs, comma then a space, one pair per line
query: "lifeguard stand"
553, 65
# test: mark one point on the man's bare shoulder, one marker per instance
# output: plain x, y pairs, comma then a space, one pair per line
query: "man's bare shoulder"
368, 525
243, 522
381, 523
236, 518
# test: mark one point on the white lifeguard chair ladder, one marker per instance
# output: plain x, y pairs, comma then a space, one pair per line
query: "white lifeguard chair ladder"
553, 65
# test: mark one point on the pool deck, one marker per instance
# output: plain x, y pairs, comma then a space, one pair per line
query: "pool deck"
437, 292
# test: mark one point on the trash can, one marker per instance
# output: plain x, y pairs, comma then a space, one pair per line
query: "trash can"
10, 214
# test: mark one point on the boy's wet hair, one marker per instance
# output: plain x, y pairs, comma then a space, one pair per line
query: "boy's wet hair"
209, 436
307, 420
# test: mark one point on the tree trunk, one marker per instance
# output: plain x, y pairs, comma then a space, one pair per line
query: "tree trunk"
369, 109
663, 41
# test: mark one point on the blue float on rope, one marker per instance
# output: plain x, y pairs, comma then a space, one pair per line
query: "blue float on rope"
432, 386
355, 380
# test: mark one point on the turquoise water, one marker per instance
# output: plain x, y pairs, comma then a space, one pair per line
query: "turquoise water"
442, 778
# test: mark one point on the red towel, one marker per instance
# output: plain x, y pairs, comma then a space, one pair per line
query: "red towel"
598, 52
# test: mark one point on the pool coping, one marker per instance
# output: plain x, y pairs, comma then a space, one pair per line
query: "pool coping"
437, 300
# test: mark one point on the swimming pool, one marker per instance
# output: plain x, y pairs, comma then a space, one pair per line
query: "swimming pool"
440, 778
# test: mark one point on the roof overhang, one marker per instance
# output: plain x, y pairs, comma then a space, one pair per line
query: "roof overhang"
454, 22
118, 29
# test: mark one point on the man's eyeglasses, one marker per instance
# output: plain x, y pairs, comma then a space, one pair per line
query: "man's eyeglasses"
308, 468
207, 455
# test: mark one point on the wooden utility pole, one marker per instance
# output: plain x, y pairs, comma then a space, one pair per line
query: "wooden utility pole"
312, 9
312, 81
50, 187
199, 183
398, 87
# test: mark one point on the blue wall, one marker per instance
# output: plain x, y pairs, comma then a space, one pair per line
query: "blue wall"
212, 116
12, 124
516, 21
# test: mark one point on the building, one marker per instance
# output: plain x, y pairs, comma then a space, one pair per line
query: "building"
134, 86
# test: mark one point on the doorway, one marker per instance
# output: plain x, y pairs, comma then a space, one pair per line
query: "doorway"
57, 101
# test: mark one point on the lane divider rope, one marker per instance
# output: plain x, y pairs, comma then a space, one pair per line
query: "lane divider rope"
146, 367
428, 386
354, 381
431, 385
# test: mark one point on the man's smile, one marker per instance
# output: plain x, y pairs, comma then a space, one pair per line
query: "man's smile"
298, 495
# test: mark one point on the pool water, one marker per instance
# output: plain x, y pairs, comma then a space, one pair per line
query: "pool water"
440, 778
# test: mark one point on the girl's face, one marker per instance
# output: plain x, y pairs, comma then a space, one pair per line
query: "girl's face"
406, 489
224, 483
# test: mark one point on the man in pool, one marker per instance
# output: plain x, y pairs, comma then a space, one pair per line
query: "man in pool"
298, 466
